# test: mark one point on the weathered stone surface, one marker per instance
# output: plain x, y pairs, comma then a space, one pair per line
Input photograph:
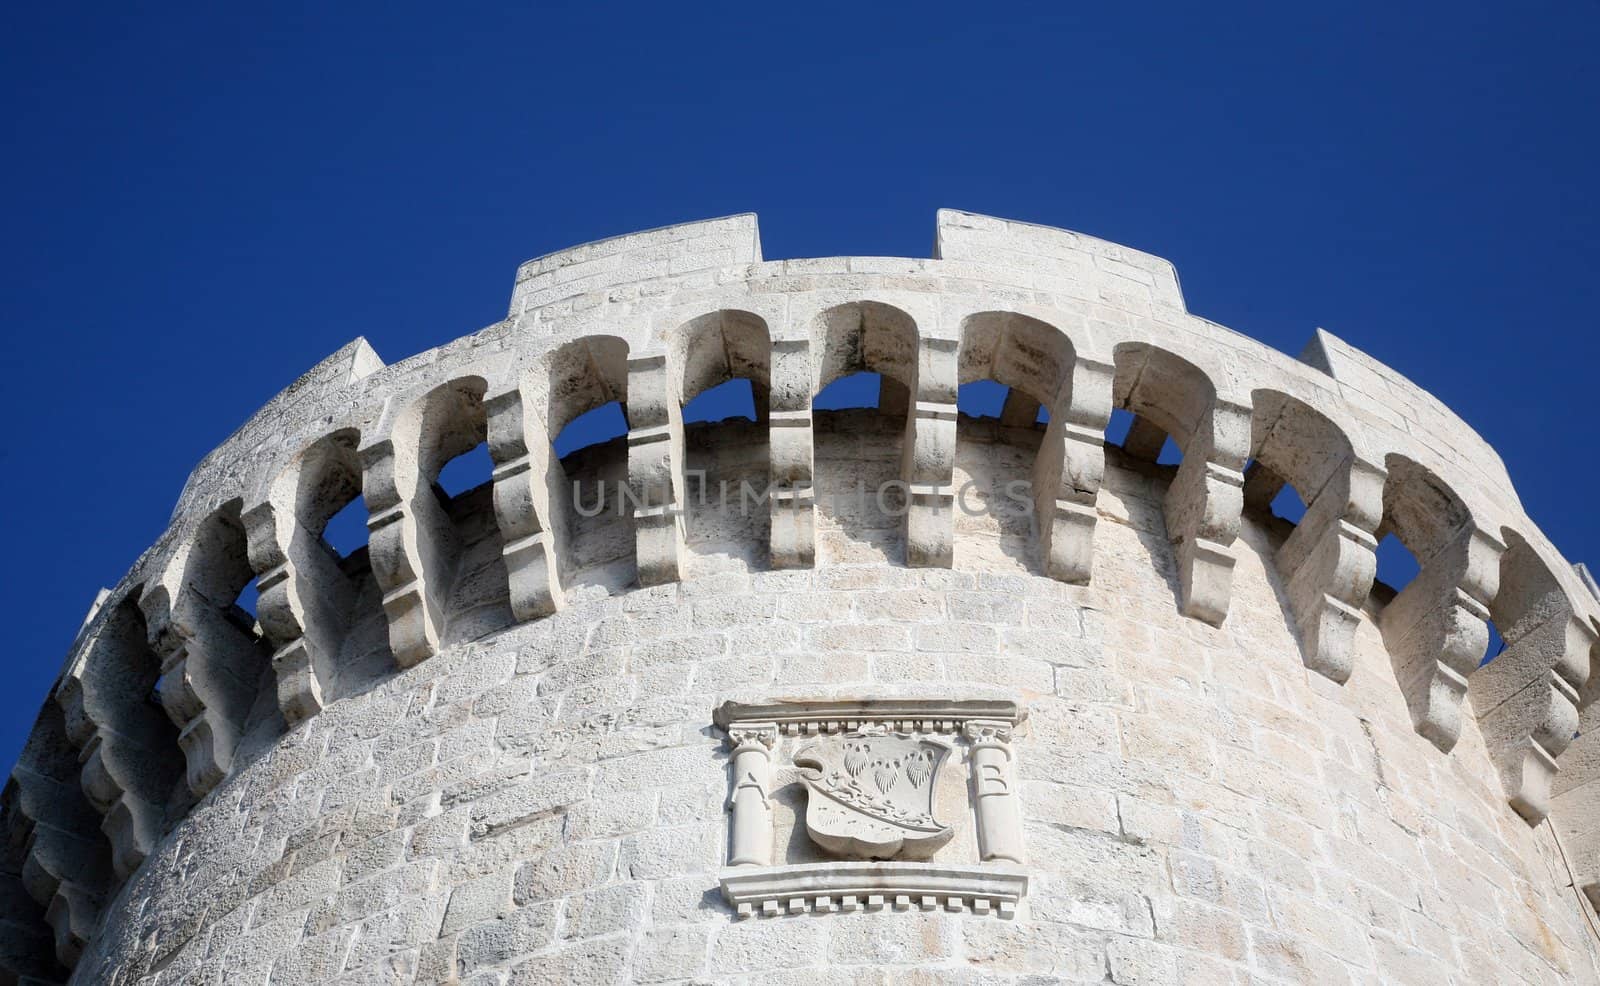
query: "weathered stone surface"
486, 749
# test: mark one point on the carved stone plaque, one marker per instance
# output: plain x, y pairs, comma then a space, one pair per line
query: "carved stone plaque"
870, 772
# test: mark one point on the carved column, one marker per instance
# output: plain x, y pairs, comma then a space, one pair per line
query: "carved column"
789, 443
929, 457
1068, 471
994, 793
1203, 509
522, 507
655, 444
750, 829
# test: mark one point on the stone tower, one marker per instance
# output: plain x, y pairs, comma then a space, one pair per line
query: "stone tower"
888, 695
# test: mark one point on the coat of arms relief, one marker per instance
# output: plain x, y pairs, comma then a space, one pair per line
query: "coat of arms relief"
843, 805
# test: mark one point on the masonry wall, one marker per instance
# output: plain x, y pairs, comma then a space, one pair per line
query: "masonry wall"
546, 804
481, 749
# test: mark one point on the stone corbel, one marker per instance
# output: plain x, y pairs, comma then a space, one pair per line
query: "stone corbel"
789, 443
1203, 508
655, 445
1069, 470
1330, 561
408, 537
303, 606
66, 870
928, 459
129, 768
750, 806
1527, 698
208, 672
522, 506
1435, 630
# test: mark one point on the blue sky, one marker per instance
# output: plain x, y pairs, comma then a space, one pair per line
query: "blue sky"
202, 200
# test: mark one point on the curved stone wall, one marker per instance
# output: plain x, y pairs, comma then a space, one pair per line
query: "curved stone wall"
1159, 734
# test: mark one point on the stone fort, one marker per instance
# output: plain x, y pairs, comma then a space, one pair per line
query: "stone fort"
875, 695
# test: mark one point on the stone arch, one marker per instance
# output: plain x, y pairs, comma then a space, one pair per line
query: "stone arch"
869, 336
1328, 560
868, 464
582, 375
590, 526
721, 468
719, 346
1434, 628
130, 751
212, 656
1204, 500
1527, 698
1036, 361
1019, 351
311, 599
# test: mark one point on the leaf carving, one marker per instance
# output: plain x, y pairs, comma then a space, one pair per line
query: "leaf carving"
918, 768
884, 774
855, 758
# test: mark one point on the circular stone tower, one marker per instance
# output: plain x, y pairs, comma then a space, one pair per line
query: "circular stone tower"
886, 694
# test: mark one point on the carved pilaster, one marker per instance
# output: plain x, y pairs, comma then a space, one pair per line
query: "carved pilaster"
928, 459
522, 506
750, 830
789, 430
994, 794
655, 446
1069, 470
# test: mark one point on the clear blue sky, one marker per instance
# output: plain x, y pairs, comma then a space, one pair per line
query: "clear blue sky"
202, 200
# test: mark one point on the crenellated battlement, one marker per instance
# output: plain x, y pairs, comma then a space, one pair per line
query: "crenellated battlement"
1071, 325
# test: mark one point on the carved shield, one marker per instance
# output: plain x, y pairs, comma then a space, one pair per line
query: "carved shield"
870, 794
